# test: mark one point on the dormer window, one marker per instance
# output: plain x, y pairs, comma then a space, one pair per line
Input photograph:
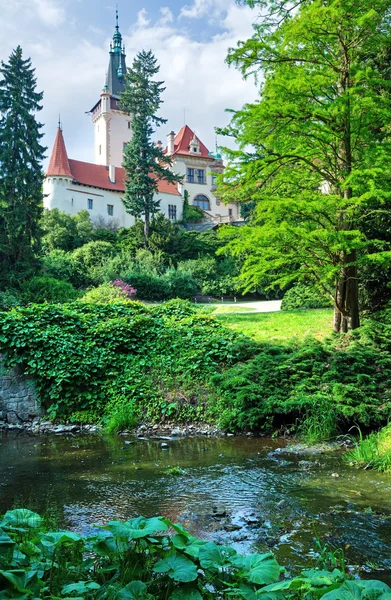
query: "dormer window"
194, 145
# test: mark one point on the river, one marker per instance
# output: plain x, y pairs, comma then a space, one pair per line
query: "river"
248, 492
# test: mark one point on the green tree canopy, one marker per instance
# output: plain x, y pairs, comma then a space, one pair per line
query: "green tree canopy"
21, 176
314, 151
144, 162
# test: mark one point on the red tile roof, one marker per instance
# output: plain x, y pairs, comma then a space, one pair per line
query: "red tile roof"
98, 176
182, 143
90, 174
59, 163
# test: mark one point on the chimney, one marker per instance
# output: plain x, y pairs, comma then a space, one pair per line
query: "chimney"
170, 142
159, 144
112, 173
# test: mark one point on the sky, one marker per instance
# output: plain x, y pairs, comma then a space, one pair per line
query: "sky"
68, 42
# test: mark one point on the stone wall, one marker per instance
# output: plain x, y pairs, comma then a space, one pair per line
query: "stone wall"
18, 397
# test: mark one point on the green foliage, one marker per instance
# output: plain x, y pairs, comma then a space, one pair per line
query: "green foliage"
89, 259
100, 357
214, 277
148, 285
49, 289
317, 387
125, 417
314, 151
191, 214
374, 451
21, 175
145, 163
304, 296
8, 300
59, 264
139, 560
104, 293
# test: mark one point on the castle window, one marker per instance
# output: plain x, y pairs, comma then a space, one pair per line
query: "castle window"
194, 149
190, 175
202, 202
200, 176
172, 212
214, 179
110, 210
100, 149
90, 204
129, 125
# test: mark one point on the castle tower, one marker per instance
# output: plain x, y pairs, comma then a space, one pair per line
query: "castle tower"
112, 128
58, 177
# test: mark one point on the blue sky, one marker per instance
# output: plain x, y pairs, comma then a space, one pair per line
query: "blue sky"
68, 41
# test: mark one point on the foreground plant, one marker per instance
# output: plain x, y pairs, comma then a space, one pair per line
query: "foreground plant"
374, 451
139, 559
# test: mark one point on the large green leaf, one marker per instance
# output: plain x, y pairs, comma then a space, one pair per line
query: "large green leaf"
189, 544
213, 556
320, 578
349, 590
20, 580
177, 567
135, 590
6, 543
57, 538
262, 569
21, 517
249, 593
186, 593
81, 587
137, 528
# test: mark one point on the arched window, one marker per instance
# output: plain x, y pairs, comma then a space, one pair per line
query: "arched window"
202, 202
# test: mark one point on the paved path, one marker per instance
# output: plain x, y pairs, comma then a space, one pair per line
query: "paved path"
257, 306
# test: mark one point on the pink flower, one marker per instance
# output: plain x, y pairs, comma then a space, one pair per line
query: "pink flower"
127, 289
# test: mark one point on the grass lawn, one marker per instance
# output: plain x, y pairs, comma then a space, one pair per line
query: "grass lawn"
281, 326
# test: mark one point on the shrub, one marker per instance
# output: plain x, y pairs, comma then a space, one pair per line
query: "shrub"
104, 293
148, 286
304, 296
180, 285
89, 259
140, 559
49, 289
60, 265
9, 299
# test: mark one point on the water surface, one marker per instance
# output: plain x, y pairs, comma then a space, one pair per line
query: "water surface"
274, 500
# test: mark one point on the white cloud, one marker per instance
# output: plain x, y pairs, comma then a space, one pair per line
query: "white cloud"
212, 9
50, 12
166, 15
142, 20
71, 71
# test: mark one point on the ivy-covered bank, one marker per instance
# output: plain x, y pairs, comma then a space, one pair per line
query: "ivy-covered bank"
120, 360
123, 363
139, 560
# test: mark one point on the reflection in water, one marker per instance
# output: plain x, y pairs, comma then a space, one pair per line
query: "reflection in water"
274, 500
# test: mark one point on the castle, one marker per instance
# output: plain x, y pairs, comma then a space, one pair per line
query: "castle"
73, 185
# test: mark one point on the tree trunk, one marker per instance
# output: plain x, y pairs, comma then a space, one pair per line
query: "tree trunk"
346, 310
146, 226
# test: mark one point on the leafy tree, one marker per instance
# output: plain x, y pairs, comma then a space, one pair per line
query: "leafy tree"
66, 232
144, 162
21, 175
315, 149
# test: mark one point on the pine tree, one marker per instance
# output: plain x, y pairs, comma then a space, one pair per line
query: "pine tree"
315, 150
21, 176
144, 161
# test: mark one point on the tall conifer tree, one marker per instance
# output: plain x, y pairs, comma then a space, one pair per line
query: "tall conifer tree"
144, 162
21, 176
